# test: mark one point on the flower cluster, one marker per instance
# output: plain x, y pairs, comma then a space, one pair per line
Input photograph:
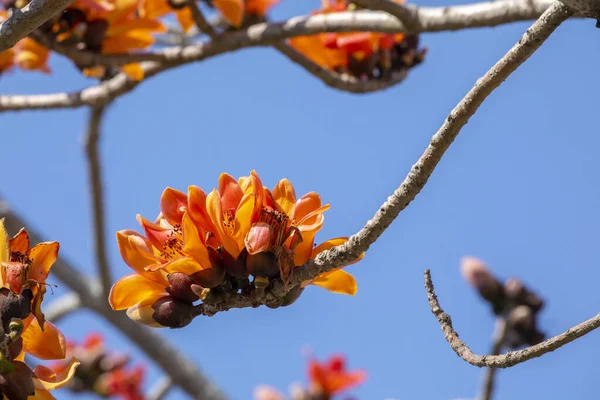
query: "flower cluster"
364, 55
326, 380
103, 373
511, 300
206, 246
23, 328
114, 27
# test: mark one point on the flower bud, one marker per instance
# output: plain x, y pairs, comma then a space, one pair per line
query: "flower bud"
15, 329
94, 34
16, 275
214, 276
263, 264
181, 287
519, 294
235, 267
476, 273
18, 384
15, 348
171, 312
14, 306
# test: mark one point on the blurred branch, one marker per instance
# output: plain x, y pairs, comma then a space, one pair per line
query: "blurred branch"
182, 371
499, 337
62, 306
25, 20
416, 179
406, 13
199, 19
160, 389
511, 358
91, 144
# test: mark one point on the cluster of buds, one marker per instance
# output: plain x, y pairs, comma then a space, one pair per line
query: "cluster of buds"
23, 329
101, 372
364, 55
326, 381
234, 241
511, 300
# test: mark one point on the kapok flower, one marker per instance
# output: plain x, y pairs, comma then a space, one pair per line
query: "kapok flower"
271, 232
102, 372
331, 378
362, 54
23, 274
172, 267
27, 54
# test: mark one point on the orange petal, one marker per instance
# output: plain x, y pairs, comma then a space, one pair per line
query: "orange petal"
142, 313
192, 244
230, 191
4, 243
136, 24
213, 206
186, 265
332, 243
259, 7
48, 344
43, 256
184, 16
41, 395
231, 10
257, 188
285, 196
173, 204
338, 281
157, 234
49, 380
135, 251
197, 208
20, 243
243, 219
133, 289
133, 71
313, 48
123, 43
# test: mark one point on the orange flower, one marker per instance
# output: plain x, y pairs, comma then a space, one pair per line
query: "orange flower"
27, 54
23, 276
331, 378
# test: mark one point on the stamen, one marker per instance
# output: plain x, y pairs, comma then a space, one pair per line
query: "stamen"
173, 246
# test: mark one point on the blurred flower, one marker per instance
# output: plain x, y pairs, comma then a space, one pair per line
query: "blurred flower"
361, 54
326, 380
510, 300
242, 13
23, 278
102, 372
27, 54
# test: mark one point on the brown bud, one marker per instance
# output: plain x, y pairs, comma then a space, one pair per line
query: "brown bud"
181, 287
211, 277
18, 384
235, 266
523, 325
263, 264
476, 273
291, 296
519, 294
15, 348
171, 312
94, 34
14, 306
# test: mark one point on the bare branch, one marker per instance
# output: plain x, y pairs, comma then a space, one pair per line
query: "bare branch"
62, 307
500, 332
183, 371
97, 195
406, 13
265, 34
199, 19
511, 358
160, 389
23, 21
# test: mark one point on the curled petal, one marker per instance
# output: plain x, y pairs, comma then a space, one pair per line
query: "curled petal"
137, 254
156, 233
337, 281
197, 209
185, 265
184, 16
243, 219
285, 196
231, 10
192, 244
4, 243
43, 256
173, 205
47, 379
133, 289
49, 344
213, 206
20, 243
230, 191
142, 313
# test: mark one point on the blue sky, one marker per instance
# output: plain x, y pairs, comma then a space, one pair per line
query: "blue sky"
519, 188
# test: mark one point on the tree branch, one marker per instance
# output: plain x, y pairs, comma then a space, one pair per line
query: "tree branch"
160, 389
432, 19
97, 195
182, 371
406, 13
22, 22
199, 19
62, 307
511, 358
499, 337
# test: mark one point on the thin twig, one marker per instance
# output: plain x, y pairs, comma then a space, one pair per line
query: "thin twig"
62, 307
23, 21
199, 19
511, 358
499, 337
406, 13
91, 142
182, 370
159, 390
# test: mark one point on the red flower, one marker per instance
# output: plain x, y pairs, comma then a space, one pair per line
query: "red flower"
331, 378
